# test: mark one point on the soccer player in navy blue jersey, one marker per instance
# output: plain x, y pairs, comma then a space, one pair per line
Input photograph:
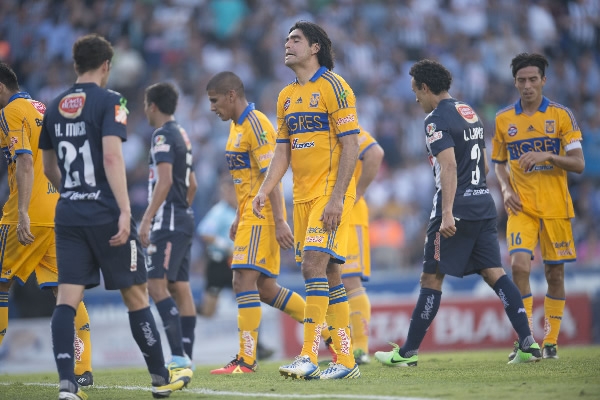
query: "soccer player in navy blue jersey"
81, 137
167, 226
461, 236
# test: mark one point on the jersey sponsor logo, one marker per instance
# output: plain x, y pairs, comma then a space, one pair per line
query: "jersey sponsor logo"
237, 160
512, 130
39, 122
314, 100
347, 119
297, 145
76, 196
518, 148
476, 192
434, 137
239, 257
51, 189
161, 148
39, 106
71, 105
240, 248
133, 255
286, 104
121, 111
550, 127
467, 113
314, 239
266, 156
303, 122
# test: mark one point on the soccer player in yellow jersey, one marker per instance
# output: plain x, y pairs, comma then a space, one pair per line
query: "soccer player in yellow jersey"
318, 135
357, 268
255, 258
535, 144
27, 225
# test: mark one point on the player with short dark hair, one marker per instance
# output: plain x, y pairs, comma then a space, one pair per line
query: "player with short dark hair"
167, 226
81, 137
461, 235
257, 242
537, 141
317, 136
27, 225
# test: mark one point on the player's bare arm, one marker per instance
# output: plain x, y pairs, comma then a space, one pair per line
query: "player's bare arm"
371, 162
51, 170
279, 164
191, 193
512, 201
448, 180
332, 214
234, 225
283, 233
573, 161
24, 178
164, 181
114, 166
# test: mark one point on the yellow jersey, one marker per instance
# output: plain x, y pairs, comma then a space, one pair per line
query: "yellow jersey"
250, 148
360, 212
543, 190
20, 125
312, 118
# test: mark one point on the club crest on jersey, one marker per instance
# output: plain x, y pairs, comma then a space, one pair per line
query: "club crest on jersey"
430, 129
314, 100
71, 105
286, 104
159, 139
121, 111
550, 127
512, 130
467, 113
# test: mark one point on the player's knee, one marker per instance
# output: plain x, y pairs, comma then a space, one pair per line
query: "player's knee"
135, 297
555, 277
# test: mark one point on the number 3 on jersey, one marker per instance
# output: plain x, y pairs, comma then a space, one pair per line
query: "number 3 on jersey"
69, 154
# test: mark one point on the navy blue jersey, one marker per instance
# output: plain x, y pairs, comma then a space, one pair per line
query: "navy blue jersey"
171, 144
455, 124
74, 125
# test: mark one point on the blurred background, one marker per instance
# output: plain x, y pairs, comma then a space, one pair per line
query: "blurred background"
186, 42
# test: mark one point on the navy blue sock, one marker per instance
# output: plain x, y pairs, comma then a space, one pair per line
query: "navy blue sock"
423, 314
145, 333
63, 336
169, 313
188, 325
513, 307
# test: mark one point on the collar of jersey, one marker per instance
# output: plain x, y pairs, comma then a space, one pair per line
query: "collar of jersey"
542, 108
249, 108
317, 74
20, 95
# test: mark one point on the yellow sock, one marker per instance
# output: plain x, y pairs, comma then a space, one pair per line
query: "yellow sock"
338, 318
528, 304
249, 315
360, 316
317, 299
553, 314
83, 341
290, 303
3, 314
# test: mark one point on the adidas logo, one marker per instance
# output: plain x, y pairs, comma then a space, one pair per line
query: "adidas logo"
81, 380
3, 332
85, 327
60, 356
299, 101
531, 128
262, 261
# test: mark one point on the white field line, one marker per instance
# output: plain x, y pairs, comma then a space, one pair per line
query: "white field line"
237, 394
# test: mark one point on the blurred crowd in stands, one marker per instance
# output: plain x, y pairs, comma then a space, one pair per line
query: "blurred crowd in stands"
188, 41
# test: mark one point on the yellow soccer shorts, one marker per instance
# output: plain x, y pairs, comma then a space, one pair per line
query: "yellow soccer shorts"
555, 237
18, 261
256, 247
358, 258
310, 235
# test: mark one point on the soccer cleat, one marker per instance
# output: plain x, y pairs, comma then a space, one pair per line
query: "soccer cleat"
85, 379
72, 396
361, 357
532, 354
178, 379
394, 359
300, 368
549, 351
179, 362
237, 366
513, 353
331, 349
340, 371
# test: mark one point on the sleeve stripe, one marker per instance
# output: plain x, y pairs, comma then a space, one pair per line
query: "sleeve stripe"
4, 123
337, 88
256, 128
569, 113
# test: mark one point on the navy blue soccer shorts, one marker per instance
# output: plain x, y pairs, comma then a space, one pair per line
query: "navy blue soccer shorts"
83, 251
169, 255
474, 247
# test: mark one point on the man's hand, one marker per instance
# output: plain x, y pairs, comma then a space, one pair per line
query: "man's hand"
258, 204
144, 232
121, 237
24, 230
448, 227
284, 235
528, 160
332, 214
234, 227
512, 201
